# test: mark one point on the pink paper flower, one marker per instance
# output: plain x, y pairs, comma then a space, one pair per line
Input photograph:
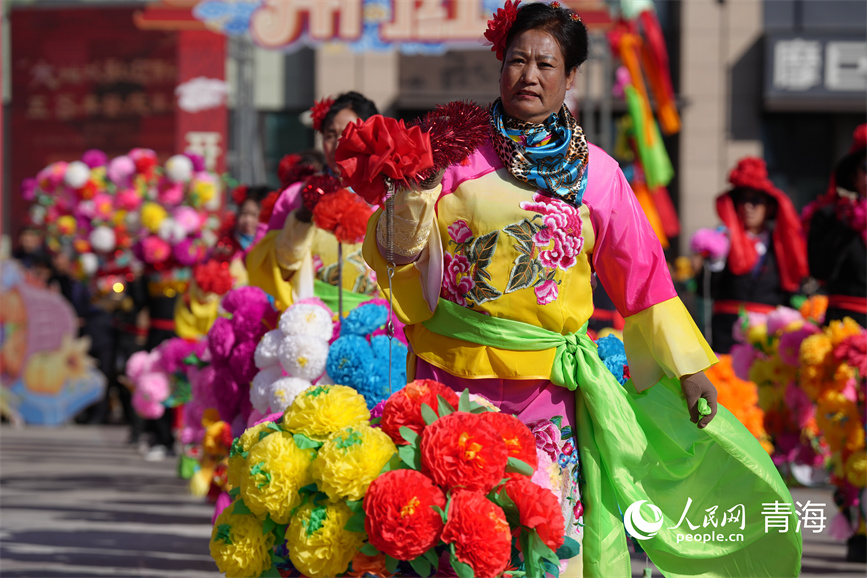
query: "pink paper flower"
780, 318
800, 405
743, 356
711, 243
128, 200
171, 195
790, 343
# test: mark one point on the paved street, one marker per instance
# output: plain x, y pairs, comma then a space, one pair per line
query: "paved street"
78, 502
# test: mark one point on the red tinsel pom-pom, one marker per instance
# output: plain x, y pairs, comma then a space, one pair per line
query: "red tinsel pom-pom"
267, 206
318, 111
287, 163
456, 130
315, 187
499, 26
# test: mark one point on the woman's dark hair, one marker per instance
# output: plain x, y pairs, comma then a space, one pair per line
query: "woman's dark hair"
847, 169
257, 193
570, 34
354, 101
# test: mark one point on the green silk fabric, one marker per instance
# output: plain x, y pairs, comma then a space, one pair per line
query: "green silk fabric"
642, 446
329, 294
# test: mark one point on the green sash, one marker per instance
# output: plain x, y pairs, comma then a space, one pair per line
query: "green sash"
329, 294
642, 446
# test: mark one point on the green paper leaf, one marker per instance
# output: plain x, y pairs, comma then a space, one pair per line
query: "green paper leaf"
268, 524
279, 532
516, 466
432, 557
409, 435
240, 508
411, 456
305, 443
421, 566
464, 403
441, 512
369, 549
569, 549
355, 506
271, 572
480, 409
444, 408
234, 492
428, 414
392, 464
273, 426
355, 523
390, 564
461, 569
308, 489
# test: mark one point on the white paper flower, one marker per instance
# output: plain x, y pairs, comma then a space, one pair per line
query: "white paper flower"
260, 387
208, 238
285, 390
37, 214
89, 263
179, 169
77, 174
103, 239
307, 319
266, 351
171, 231
303, 356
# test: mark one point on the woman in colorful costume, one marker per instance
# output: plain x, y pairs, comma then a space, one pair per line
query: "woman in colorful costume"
296, 258
837, 242
198, 308
767, 259
491, 274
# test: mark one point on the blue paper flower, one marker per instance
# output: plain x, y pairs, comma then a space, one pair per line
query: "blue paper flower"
350, 361
364, 319
613, 355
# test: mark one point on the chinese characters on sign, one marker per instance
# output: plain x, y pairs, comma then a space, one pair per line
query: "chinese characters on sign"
797, 64
109, 88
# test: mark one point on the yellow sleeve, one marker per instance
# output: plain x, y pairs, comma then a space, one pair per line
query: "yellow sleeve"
264, 272
193, 321
412, 281
663, 340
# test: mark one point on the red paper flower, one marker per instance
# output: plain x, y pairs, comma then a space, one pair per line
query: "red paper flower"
213, 277
401, 521
315, 187
520, 441
267, 206
499, 26
319, 110
381, 147
403, 408
239, 194
538, 509
478, 529
343, 214
461, 450
287, 163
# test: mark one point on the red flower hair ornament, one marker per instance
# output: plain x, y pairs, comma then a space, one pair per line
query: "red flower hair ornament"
499, 26
318, 111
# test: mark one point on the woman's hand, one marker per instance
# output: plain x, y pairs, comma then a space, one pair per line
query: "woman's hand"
694, 387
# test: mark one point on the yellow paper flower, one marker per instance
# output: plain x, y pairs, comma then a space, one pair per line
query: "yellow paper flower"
350, 460
238, 545
855, 440
837, 331
152, 215
276, 469
238, 454
66, 225
856, 469
213, 443
318, 544
322, 410
842, 374
762, 371
815, 350
836, 416
758, 334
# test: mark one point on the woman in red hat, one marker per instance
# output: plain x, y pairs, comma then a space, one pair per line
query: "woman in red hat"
837, 224
767, 260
